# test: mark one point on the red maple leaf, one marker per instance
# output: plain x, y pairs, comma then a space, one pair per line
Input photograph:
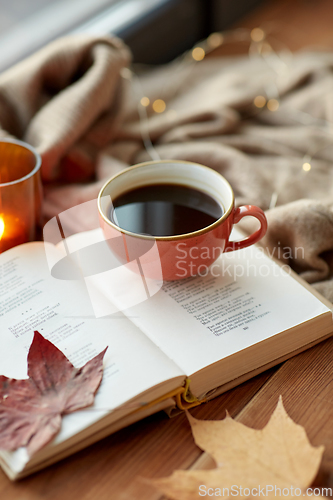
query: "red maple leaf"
31, 409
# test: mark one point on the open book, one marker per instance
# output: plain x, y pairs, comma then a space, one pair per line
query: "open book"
187, 342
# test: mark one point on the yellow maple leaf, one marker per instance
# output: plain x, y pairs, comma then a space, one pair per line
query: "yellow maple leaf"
277, 461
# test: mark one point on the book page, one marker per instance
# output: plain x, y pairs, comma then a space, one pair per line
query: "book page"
31, 299
244, 299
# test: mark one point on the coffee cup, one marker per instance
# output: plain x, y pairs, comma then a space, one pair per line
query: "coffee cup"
182, 250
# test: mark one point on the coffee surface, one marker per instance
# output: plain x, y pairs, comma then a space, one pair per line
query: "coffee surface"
164, 210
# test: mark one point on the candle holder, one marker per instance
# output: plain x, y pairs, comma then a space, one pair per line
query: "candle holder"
20, 193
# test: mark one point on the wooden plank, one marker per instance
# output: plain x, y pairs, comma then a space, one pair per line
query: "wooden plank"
292, 24
306, 385
295, 24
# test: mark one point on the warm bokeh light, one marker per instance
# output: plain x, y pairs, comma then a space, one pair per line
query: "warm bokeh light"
306, 166
273, 104
159, 106
198, 53
215, 40
259, 101
2, 227
145, 101
257, 34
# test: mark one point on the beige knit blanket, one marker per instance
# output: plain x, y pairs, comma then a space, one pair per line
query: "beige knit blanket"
76, 102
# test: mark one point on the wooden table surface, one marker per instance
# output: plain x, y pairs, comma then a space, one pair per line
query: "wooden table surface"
112, 469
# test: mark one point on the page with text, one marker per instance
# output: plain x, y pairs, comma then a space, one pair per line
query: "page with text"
243, 299
31, 299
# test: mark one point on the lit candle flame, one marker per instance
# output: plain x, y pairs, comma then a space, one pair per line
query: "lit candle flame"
2, 227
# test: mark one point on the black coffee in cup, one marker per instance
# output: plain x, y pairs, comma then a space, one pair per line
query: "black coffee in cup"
164, 210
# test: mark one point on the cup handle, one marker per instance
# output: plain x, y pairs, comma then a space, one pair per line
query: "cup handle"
244, 211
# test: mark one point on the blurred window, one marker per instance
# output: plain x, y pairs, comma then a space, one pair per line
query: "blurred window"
26, 25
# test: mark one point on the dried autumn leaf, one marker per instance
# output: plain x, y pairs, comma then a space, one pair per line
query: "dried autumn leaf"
31, 409
279, 455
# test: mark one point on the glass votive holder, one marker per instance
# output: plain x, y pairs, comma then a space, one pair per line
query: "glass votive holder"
20, 193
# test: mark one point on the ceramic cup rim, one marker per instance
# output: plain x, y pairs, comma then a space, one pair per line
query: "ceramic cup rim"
32, 150
178, 237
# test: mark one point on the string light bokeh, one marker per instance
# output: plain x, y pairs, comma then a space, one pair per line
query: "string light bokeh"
260, 43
